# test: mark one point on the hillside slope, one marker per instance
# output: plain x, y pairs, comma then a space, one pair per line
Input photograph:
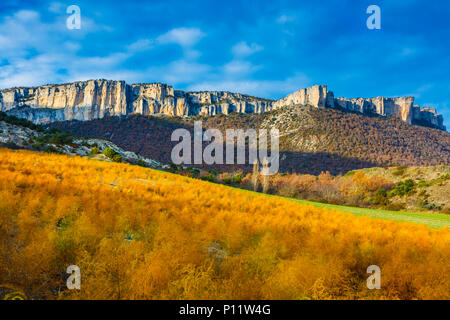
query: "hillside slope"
431, 187
16, 133
381, 140
138, 233
313, 140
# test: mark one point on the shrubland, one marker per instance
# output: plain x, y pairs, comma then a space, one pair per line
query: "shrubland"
138, 233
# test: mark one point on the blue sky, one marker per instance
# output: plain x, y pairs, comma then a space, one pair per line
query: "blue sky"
262, 48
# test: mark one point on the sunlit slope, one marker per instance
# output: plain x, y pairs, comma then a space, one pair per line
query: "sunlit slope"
143, 234
433, 220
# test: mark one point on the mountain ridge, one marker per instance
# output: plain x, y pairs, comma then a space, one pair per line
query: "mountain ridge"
95, 99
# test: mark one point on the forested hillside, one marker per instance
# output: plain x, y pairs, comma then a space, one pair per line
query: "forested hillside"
312, 140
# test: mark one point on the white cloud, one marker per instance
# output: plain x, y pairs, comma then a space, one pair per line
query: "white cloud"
185, 37
242, 49
72, 46
181, 71
29, 72
190, 54
36, 53
285, 18
240, 67
141, 45
56, 7
26, 15
102, 62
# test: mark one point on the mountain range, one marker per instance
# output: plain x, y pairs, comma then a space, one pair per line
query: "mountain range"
318, 131
95, 99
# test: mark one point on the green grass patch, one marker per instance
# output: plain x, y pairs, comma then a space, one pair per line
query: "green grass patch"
431, 220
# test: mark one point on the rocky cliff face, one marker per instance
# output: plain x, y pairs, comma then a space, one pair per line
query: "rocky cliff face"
401, 107
81, 100
153, 98
75, 101
317, 96
216, 102
96, 99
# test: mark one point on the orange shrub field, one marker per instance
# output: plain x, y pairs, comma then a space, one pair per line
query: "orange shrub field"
357, 190
138, 233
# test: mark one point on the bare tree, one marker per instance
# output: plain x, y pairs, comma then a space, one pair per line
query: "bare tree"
265, 172
255, 174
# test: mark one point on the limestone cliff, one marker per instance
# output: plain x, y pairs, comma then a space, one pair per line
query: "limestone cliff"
74, 101
317, 96
215, 102
96, 99
401, 107
152, 98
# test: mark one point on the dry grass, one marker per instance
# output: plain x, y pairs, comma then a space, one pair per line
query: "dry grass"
142, 234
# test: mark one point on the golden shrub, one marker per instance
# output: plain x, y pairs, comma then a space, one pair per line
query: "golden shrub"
138, 233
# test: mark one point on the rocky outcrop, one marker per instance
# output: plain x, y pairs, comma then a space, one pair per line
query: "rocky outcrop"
401, 107
96, 99
20, 137
216, 102
152, 98
74, 101
427, 117
317, 96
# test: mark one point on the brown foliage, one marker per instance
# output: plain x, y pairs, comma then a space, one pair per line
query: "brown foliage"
333, 140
